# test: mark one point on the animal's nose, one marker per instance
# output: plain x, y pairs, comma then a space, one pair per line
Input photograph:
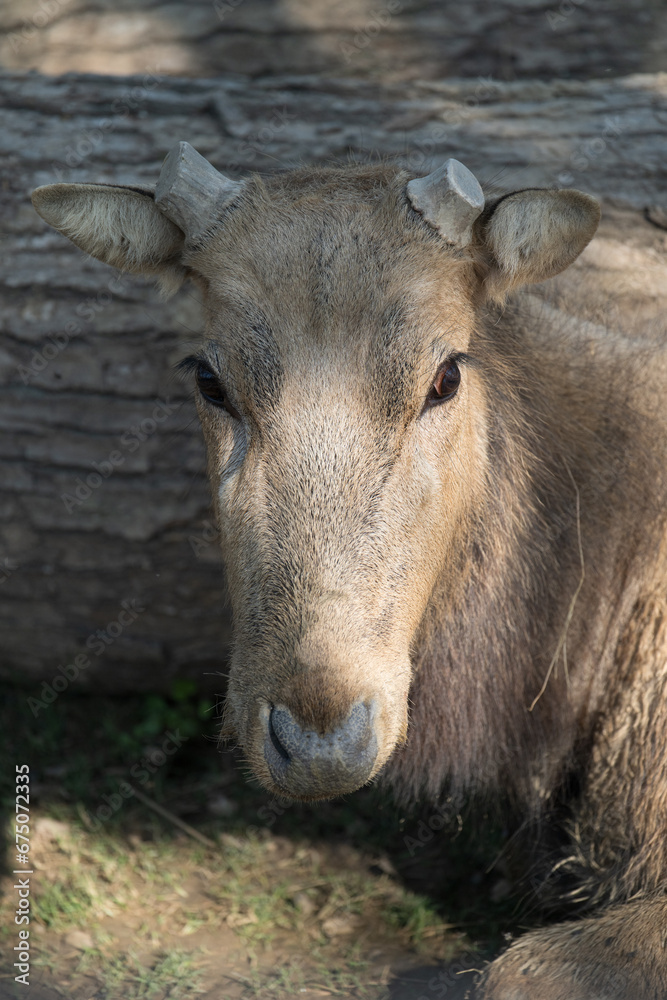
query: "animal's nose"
305, 764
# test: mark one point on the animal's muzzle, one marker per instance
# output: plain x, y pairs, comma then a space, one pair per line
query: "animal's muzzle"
306, 764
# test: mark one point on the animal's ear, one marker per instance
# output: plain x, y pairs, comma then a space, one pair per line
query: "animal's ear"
136, 230
121, 226
534, 234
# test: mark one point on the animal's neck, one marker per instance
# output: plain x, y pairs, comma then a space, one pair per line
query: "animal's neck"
505, 670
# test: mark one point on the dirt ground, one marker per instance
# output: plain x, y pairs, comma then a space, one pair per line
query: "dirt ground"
228, 895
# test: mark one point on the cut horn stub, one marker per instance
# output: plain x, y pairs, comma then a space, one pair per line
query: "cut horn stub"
191, 192
450, 199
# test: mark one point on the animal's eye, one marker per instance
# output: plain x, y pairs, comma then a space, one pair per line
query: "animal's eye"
445, 385
211, 389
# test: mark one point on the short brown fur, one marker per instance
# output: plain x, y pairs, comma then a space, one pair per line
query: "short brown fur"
497, 563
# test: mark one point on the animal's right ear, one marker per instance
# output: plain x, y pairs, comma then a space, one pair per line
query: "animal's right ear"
532, 235
136, 230
121, 226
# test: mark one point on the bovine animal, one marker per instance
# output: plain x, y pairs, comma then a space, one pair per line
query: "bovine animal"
442, 515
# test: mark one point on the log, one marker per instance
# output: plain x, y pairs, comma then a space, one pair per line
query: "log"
107, 545
392, 39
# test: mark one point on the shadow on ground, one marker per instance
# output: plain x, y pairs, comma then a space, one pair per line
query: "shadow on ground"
430, 982
200, 881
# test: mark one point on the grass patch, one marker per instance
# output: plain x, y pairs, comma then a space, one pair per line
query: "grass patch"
296, 881
264, 891
416, 916
61, 905
174, 976
347, 977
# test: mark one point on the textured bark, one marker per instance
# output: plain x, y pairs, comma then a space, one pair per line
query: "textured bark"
392, 39
86, 354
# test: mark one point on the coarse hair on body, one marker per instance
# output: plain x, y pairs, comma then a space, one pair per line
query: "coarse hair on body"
554, 493
443, 505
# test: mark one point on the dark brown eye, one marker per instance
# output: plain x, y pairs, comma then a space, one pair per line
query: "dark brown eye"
211, 389
446, 384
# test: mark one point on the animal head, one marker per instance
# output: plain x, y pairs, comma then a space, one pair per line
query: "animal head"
345, 405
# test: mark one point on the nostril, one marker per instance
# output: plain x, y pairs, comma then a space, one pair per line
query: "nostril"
306, 763
274, 738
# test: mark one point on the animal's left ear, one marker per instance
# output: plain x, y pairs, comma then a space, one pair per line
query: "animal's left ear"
534, 234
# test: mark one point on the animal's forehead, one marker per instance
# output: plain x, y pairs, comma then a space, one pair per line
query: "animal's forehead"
333, 257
